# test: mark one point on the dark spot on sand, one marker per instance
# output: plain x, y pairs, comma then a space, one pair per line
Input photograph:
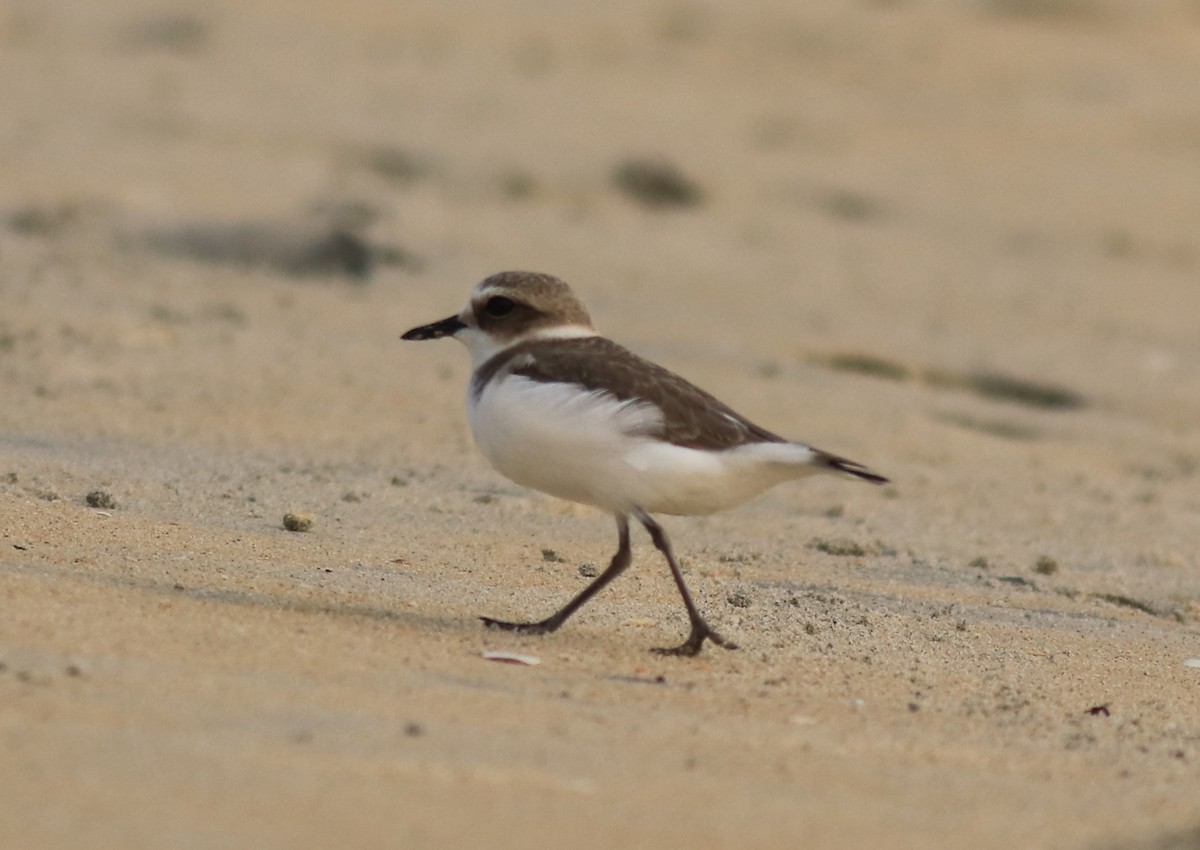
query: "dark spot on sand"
166, 31
396, 165
841, 546
991, 427
866, 364
1045, 565
657, 184
299, 249
850, 205
1126, 602
1000, 387
101, 499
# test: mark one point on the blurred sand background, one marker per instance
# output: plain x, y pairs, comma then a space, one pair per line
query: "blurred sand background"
957, 241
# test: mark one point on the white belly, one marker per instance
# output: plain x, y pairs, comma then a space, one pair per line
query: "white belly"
591, 448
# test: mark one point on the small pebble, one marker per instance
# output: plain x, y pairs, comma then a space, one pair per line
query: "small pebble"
738, 599
297, 522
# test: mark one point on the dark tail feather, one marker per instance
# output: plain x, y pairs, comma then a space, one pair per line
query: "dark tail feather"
848, 467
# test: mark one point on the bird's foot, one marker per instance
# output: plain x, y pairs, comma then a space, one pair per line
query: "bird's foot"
701, 632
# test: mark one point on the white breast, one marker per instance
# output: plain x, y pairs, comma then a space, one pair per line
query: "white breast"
559, 438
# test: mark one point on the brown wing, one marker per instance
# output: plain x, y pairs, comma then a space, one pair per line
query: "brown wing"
691, 417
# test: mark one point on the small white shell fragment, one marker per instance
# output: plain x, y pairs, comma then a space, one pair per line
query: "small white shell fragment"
511, 657
1191, 662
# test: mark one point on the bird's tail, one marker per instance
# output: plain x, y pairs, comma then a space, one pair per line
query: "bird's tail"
845, 466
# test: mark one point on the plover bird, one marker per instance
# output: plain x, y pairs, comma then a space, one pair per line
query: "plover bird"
556, 407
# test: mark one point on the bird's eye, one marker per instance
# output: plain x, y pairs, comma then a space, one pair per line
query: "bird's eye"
498, 306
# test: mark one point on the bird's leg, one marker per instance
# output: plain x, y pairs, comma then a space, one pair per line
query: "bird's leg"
701, 630
620, 561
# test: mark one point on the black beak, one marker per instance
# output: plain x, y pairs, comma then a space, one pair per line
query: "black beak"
446, 327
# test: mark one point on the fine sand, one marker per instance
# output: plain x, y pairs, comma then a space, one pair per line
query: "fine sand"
956, 241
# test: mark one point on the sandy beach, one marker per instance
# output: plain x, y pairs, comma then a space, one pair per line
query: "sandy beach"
958, 242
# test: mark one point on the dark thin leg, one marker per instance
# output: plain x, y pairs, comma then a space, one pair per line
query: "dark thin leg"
620, 562
701, 631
